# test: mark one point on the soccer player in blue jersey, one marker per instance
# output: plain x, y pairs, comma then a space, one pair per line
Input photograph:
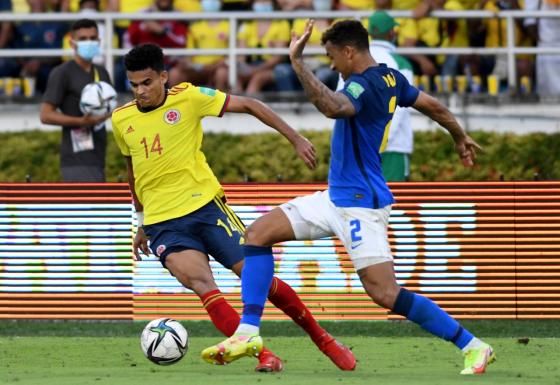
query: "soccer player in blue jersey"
357, 204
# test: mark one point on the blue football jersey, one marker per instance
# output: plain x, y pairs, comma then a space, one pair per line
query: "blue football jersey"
355, 175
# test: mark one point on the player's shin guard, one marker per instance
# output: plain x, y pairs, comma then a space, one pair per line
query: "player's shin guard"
431, 318
256, 277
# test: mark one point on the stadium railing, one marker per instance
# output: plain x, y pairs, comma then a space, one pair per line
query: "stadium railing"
235, 18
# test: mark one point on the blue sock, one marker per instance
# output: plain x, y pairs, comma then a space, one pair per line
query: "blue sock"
431, 318
256, 278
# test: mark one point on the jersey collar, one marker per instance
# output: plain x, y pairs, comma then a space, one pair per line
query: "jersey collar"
149, 109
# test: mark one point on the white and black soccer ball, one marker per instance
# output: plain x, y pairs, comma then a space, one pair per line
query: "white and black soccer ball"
164, 341
98, 99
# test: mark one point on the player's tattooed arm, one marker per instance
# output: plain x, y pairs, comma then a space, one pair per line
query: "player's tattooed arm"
331, 104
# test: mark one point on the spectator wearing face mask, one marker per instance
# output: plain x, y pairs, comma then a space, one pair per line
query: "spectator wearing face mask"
256, 72
286, 79
84, 137
207, 70
86, 8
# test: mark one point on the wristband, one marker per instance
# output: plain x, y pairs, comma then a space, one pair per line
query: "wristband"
140, 218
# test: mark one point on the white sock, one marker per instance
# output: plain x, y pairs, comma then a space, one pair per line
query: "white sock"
247, 330
475, 343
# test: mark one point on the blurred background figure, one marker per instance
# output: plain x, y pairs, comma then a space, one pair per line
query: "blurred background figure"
32, 34
165, 34
86, 8
236, 5
358, 5
6, 28
256, 72
546, 32
493, 33
84, 138
435, 32
209, 70
293, 5
285, 76
396, 157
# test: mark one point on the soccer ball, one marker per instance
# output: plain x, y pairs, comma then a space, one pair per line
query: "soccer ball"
164, 341
98, 99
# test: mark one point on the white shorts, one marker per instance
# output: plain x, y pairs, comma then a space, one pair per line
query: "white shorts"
362, 231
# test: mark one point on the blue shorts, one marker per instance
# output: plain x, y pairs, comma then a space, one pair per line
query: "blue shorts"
213, 229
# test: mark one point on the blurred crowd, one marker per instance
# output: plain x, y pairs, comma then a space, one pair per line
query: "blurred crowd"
258, 73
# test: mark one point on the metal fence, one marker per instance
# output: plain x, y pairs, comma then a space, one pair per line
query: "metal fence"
235, 18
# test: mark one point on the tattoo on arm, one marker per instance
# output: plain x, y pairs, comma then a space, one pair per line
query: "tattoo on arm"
330, 103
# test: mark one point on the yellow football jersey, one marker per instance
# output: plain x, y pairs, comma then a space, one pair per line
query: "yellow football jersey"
278, 32
172, 177
205, 34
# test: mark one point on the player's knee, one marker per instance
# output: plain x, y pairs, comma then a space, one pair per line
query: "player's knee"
202, 285
253, 236
383, 295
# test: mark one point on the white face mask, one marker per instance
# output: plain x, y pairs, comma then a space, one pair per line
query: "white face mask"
322, 5
262, 7
87, 49
211, 5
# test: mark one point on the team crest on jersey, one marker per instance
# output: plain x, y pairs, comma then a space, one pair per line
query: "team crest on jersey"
172, 116
160, 250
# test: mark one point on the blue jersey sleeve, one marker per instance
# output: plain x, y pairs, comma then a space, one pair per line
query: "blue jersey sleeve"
354, 89
406, 93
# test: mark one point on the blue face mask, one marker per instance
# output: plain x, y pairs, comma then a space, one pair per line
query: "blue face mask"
262, 7
211, 5
87, 49
322, 5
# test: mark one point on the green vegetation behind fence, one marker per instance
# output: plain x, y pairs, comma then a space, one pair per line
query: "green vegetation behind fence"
270, 158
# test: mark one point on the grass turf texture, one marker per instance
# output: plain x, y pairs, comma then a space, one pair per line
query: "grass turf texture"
73, 353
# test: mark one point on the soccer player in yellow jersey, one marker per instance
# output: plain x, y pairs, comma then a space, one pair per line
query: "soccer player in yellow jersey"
179, 202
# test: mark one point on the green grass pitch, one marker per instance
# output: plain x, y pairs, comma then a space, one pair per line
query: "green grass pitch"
72, 353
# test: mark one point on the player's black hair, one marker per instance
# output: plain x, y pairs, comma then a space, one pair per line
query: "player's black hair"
83, 23
143, 57
347, 32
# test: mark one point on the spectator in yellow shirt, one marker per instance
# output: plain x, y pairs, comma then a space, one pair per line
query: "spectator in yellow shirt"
286, 79
257, 71
494, 32
433, 32
209, 70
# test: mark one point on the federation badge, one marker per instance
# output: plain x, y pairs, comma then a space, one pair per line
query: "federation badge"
171, 116
160, 249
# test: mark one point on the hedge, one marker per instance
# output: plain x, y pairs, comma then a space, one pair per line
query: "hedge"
269, 157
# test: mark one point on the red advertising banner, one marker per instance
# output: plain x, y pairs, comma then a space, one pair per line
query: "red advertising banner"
480, 250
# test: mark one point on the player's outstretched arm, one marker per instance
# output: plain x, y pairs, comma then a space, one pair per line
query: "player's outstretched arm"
332, 104
464, 145
140, 240
264, 113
